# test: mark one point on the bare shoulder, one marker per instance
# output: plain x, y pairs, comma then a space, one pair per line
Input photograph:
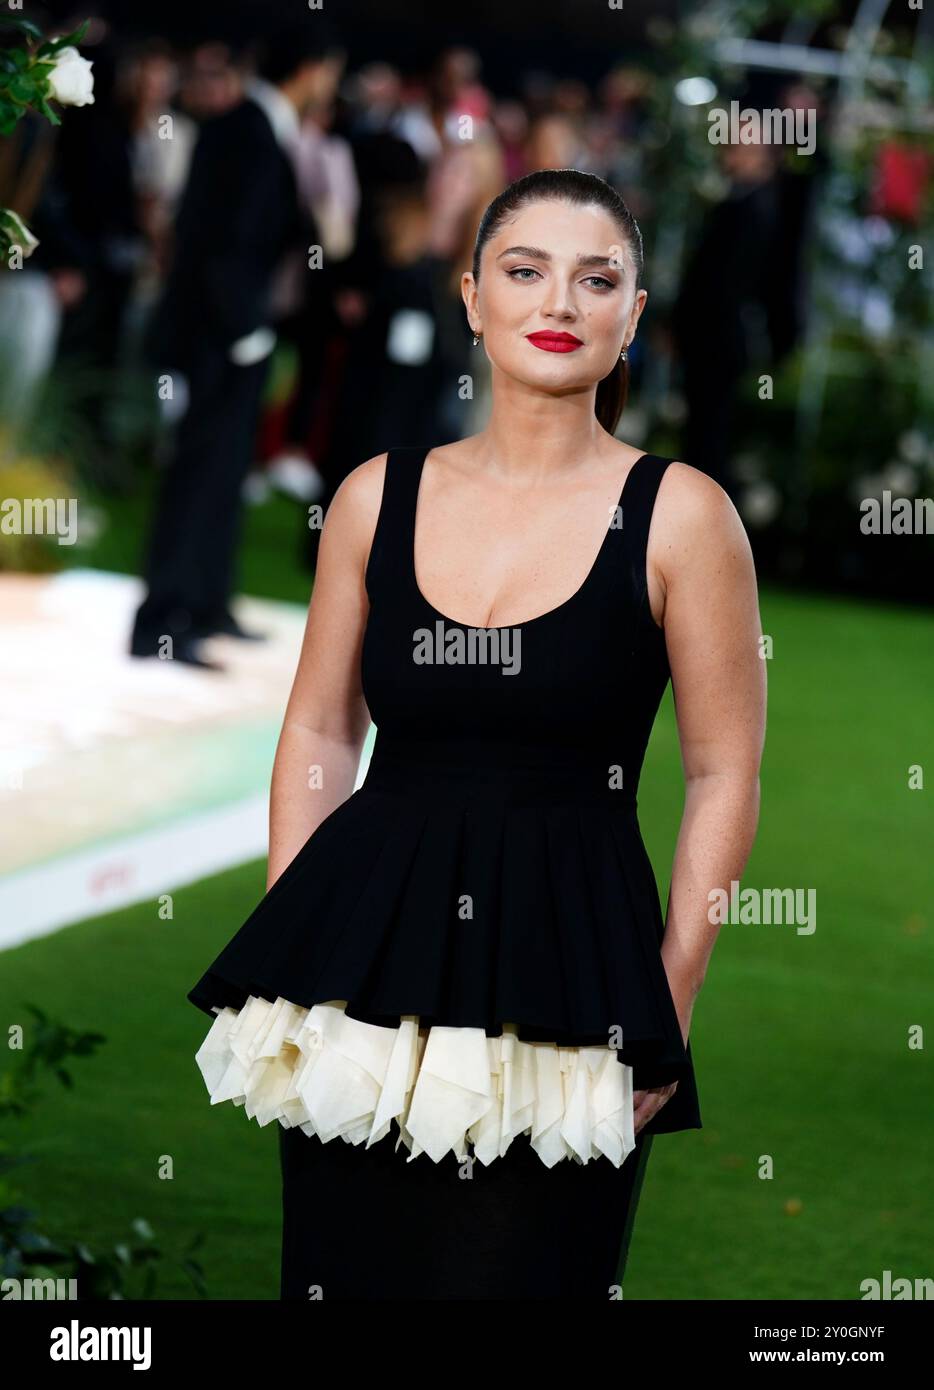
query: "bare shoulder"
691, 497
694, 514
351, 517
359, 495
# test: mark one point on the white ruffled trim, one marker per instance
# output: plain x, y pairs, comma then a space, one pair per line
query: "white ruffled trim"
333, 1075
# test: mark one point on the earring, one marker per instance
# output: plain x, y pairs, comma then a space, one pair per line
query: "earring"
476, 339
623, 357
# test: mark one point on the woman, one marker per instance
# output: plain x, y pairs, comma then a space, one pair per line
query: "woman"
465, 958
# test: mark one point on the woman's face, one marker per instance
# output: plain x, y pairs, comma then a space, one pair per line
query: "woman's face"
555, 269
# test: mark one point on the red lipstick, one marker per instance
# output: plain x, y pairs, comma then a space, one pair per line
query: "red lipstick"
555, 342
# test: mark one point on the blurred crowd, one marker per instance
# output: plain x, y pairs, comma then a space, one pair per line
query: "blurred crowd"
393, 172
171, 235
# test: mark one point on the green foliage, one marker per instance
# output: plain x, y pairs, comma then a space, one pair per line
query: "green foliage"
24, 73
25, 86
849, 404
129, 1268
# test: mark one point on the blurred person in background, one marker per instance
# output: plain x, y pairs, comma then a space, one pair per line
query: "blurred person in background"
624, 99
572, 99
389, 138
511, 123
552, 143
34, 297
386, 299
97, 200
238, 217
211, 81
162, 144
410, 385
467, 174
786, 290
401, 324
163, 141
719, 317
421, 169
329, 194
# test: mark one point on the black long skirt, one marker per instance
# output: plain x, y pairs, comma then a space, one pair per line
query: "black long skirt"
362, 1223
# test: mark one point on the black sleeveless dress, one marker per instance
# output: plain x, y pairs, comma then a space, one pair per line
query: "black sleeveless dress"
449, 995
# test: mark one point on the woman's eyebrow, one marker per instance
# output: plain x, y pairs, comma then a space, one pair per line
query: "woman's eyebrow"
536, 253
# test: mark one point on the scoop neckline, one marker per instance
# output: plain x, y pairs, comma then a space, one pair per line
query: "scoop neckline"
527, 622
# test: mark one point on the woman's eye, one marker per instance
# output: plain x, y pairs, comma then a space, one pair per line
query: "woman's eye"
524, 273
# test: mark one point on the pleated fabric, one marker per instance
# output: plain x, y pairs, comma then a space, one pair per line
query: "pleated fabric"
565, 952
332, 1076
466, 952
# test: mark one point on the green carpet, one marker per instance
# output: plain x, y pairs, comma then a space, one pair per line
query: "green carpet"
801, 1042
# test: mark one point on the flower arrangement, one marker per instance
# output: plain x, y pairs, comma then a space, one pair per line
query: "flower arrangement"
32, 77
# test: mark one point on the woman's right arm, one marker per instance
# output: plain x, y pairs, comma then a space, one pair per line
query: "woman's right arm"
326, 718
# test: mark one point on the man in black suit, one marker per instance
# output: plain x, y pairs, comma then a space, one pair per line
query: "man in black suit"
238, 215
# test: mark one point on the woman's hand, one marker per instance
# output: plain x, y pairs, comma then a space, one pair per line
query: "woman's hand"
646, 1104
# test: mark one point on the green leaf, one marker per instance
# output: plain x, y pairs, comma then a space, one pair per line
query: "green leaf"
22, 87
196, 1275
71, 40
25, 26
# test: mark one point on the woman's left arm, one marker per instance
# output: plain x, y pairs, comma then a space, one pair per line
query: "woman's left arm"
700, 558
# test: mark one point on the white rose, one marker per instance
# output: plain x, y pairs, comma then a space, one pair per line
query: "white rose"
19, 233
71, 80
